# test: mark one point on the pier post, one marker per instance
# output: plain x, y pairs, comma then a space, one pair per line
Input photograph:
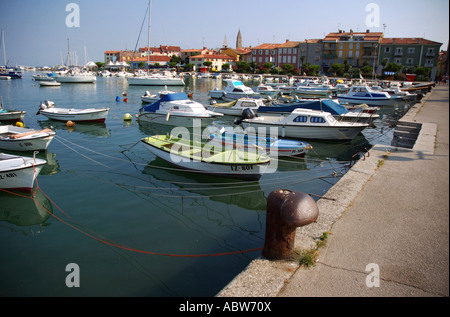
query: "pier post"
286, 210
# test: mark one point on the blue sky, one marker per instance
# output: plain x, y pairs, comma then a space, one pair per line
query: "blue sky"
36, 32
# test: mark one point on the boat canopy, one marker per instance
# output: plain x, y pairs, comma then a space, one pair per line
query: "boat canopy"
169, 97
327, 105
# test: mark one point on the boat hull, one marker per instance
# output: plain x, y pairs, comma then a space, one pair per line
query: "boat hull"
76, 115
174, 120
12, 115
308, 132
31, 142
370, 101
143, 81
76, 79
245, 171
19, 174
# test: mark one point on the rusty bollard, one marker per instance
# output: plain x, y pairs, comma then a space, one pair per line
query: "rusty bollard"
286, 210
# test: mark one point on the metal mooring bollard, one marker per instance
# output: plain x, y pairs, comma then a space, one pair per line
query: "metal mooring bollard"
286, 210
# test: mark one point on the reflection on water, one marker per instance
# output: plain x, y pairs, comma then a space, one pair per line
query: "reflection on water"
29, 211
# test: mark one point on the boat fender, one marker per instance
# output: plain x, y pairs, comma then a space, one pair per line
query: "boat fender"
168, 116
117, 98
19, 124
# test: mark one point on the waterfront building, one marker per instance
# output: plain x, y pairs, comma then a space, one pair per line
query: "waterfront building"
216, 60
119, 56
265, 53
288, 54
410, 52
358, 48
153, 60
312, 50
162, 50
187, 53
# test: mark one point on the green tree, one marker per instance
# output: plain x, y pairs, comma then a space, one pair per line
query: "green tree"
267, 65
393, 67
366, 70
243, 67
289, 68
226, 66
338, 69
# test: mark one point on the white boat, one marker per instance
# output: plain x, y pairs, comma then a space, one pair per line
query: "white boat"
151, 98
11, 115
235, 89
365, 95
207, 159
76, 78
156, 80
14, 138
307, 124
236, 107
266, 90
322, 90
176, 109
49, 110
19, 172
340, 112
50, 83
40, 77
274, 147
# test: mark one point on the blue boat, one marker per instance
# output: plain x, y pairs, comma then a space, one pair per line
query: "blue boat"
273, 146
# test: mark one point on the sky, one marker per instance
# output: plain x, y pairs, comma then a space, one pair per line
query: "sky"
38, 33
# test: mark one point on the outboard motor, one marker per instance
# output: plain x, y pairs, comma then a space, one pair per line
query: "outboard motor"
247, 113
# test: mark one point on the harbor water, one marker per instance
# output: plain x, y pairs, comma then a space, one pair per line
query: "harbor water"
132, 224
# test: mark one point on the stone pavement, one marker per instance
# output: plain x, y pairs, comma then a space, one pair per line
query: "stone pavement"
388, 227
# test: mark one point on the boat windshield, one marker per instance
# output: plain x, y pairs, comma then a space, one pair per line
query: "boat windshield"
331, 119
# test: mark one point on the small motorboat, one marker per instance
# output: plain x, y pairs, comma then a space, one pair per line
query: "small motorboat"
304, 124
235, 108
14, 138
366, 95
19, 172
274, 147
205, 158
176, 109
151, 98
49, 83
235, 89
11, 115
49, 110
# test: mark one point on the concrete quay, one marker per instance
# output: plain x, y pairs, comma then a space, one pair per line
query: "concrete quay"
388, 227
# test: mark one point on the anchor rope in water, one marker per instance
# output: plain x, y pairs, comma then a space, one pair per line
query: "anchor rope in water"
105, 241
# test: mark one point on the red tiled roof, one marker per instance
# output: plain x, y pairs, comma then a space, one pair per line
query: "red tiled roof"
266, 46
407, 40
152, 58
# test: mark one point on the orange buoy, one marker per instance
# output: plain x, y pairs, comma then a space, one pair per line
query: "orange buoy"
70, 123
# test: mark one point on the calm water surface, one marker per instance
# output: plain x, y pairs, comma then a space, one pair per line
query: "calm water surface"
134, 225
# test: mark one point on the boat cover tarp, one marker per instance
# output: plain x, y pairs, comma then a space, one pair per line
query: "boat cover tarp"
169, 97
327, 105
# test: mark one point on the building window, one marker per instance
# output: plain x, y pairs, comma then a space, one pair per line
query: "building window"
350, 46
289, 51
273, 52
398, 61
357, 46
294, 59
387, 49
260, 52
294, 50
411, 50
410, 61
254, 52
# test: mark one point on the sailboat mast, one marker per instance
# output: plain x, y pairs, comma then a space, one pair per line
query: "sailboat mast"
148, 39
68, 52
4, 49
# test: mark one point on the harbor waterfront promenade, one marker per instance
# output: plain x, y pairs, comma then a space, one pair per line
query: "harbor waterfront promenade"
387, 221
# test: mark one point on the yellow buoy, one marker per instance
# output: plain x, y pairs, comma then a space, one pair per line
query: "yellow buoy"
70, 123
19, 124
127, 117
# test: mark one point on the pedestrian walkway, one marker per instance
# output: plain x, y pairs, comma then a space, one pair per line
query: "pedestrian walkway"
398, 226
388, 231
